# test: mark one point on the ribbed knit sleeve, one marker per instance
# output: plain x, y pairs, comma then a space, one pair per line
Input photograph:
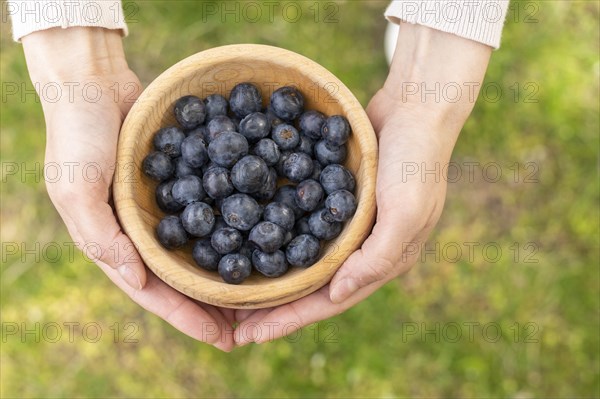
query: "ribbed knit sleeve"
33, 15
479, 20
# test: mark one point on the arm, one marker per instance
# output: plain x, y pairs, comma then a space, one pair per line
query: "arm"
82, 129
410, 129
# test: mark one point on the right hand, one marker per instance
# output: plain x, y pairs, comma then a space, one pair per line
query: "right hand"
82, 134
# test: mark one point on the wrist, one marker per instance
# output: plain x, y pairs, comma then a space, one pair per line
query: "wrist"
76, 53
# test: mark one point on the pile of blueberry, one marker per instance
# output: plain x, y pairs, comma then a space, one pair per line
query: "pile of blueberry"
259, 189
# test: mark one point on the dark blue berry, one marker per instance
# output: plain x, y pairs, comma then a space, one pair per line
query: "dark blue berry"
303, 250
201, 130
306, 145
270, 265
246, 249
297, 167
234, 268
188, 189
227, 148
168, 140
245, 98
317, 168
337, 177
282, 157
217, 182
205, 255
193, 150
267, 236
241, 211
171, 233
309, 194
327, 153
190, 111
267, 150
287, 103
274, 120
341, 205
226, 240
301, 226
255, 126
249, 174
336, 130
182, 168
219, 223
321, 225
164, 198
286, 136
216, 105
289, 236
287, 195
198, 219
280, 214
267, 191
310, 124
158, 166
218, 125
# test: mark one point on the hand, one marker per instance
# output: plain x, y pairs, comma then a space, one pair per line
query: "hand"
82, 134
415, 136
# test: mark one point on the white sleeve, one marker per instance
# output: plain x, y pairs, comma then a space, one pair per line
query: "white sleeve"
478, 20
33, 15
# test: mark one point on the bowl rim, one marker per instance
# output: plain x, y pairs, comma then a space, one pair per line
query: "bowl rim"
270, 292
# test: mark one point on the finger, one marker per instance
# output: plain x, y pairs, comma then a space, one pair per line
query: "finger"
98, 234
243, 314
376, 260
202, 323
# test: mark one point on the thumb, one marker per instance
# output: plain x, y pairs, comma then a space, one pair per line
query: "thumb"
380, 257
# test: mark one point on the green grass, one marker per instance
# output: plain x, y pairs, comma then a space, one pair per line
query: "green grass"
547, 311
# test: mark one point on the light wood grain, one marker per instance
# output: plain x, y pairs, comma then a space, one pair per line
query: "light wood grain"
217, 71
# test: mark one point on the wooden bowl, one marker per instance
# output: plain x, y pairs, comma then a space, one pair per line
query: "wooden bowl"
217, 71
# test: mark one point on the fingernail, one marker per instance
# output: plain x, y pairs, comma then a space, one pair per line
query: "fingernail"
130, 277
342, 290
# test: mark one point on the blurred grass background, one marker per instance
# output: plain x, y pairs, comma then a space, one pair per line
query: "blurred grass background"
544, 295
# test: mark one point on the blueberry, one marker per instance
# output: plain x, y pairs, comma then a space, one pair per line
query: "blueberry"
267, 236
245, 98
171, 233
270, 265
309, 194
216, 105
182, 168
280, 214
301, 226
226, 240
303, 251
246, 249
286, 136
190, 111
267, 191
321, 225
249, 174
255, 126
289, 236
241, 211
287, 103
234, 268
341, 205
327, 153
282, 157
297, 167
306, 145
198, 219
267, 150
336, 177
164, 198
317, 168
217, 125
336, 130
188, 189
158, 166
208, 166
219, 223
287, 195
227, 148
201, 130
310, 124
274, 120
205, 255
168, 140
217, 182
193, 150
